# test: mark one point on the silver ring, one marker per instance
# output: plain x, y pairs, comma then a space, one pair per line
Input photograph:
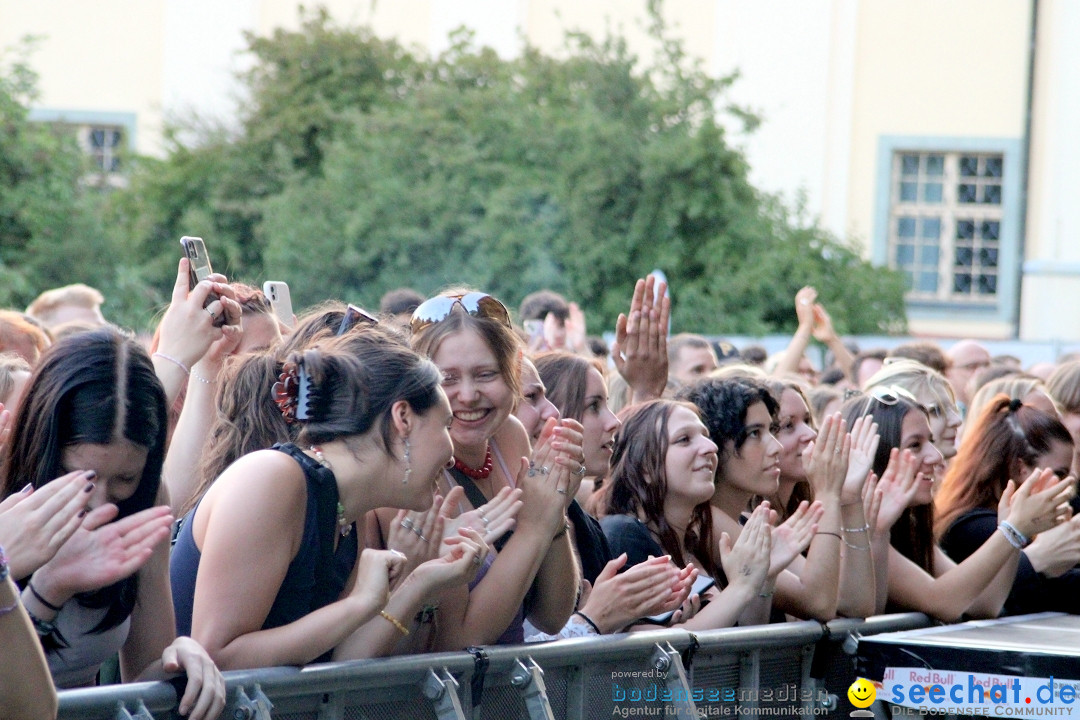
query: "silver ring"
210, 312
580, 472
407, 524
561, 491
421, 536
483, 519
544, 470
532, 469
476, 560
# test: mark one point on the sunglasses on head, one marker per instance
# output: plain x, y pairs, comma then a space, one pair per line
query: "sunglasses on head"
891, 394
353, 315
477, 304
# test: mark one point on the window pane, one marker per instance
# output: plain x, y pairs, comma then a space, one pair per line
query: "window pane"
908, 191
929, 255
964, 256
965, 229
931, 228
987, 284
905, 227
992, 167
928, 282
967, 193
935, 165
992, 194
988, 257
909, 164
962, 283
905, 255
990, 229
969, 166
932, 192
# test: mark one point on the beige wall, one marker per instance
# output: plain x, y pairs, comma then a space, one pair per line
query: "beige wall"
105, 56
932, 68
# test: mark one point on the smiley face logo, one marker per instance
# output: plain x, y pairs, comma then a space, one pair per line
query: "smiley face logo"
862, 693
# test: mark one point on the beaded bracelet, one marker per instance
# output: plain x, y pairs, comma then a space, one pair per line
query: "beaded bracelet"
864, 528
395, 622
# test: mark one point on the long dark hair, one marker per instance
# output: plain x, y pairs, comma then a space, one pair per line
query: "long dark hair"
638, 479
93, 387
913, 533
723, 404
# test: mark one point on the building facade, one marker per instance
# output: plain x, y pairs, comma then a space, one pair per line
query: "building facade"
937, 134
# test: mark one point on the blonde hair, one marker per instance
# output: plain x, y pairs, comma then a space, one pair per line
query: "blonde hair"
913, 376
10, 363
79, 295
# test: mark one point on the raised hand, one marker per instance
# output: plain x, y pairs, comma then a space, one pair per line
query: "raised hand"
746, 561
558, 454
418, 535
898, 486
648, 588
100, 553
188, 329
826, 458
458, 566
35, 524
864, 445
375, 571
804, 307
794, 535
575, 329
204, 694
493, 519
1056, 550
1040, 503
640, 348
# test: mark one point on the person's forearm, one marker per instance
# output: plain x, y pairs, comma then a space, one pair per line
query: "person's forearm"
842, 357
172, 374
180, 471
789, 362
812, 594
857, 597
726, 609
496, 599
26, 687
557, 587
990, 601
297, 643
380, 636
880, 546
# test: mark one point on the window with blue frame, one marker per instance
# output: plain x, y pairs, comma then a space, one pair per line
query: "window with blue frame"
945, 218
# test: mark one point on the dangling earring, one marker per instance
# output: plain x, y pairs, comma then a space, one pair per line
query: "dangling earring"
408, 463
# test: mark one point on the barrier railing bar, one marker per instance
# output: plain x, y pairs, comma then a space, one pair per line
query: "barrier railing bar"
321, 688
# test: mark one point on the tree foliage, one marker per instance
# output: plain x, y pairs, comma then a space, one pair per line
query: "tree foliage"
359, 166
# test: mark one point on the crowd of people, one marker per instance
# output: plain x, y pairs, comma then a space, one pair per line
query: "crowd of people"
242, 490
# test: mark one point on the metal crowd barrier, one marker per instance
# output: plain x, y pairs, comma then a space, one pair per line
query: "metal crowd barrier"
800, 669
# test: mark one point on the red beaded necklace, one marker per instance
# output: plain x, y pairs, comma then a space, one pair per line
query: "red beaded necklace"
477, 474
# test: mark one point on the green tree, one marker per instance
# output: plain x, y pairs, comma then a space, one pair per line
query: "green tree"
360, 167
